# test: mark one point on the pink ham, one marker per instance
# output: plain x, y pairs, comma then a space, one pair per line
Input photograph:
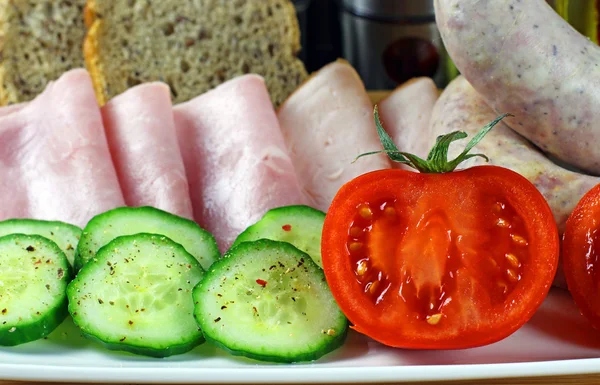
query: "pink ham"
327, 123
141, 136
405, 115
54, 159
235, 158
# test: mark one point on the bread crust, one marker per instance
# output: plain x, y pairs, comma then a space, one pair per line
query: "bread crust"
91, 53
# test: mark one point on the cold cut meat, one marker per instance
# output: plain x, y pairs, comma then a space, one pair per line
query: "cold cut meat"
141, 135
405, 115
235, 157
524, 59
54, 160
327, 123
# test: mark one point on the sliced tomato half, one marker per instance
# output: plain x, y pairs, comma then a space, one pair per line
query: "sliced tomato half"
439, 261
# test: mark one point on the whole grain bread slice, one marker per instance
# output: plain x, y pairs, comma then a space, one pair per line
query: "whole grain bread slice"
192, 45
39, 41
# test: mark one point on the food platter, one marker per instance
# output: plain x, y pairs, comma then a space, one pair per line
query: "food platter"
557, 341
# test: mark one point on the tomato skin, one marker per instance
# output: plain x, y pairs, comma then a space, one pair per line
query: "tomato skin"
579, 251
392, 320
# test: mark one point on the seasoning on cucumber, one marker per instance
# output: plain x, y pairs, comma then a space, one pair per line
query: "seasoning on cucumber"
299, 225
132, 220
269, 301
136, 296
34, 273
65, 235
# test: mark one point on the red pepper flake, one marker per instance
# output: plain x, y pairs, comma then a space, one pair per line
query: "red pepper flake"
287, 227
261, 282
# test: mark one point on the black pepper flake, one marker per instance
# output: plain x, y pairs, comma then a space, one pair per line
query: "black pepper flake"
217, 319
223, 307
272, 267
100, 301
61, 273
130, 322
4, 311
111, 303
30, 248
47, 287
123, 339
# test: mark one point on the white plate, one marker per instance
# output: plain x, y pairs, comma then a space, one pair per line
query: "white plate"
557, 341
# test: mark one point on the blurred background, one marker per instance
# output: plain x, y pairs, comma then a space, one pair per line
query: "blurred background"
391, 41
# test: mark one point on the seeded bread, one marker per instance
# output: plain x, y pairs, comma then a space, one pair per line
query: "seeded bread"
192, 45
39, 40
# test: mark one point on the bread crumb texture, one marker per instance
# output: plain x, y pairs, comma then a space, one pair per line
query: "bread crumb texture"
39, 41
192, 45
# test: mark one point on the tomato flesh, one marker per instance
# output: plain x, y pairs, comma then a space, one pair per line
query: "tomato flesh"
439, 261
581, 255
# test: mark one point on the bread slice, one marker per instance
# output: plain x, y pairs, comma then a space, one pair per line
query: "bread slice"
192, 45
39, 40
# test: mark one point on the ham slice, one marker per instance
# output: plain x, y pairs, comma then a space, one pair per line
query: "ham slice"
405, 115
326, 124
141, 135
235, 157
54, 159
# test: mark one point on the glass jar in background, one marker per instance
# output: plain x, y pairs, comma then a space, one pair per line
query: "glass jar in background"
392, 41
301, 12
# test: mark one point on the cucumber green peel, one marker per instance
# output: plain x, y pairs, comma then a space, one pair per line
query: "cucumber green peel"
299, 225
34, 273
132, 220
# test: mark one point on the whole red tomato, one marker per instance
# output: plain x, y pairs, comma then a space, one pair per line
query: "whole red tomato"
439, 259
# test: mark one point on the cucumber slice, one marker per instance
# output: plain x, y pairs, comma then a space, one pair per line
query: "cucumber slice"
299, 225
111, 224
136, 296
34, 273
269, 301
65, 235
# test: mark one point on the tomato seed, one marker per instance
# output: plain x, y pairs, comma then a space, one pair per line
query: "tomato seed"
365, 212
389, 212
503, 286
372, 287
355, 246
519, 240
498, 207
512, 276
502, 223
355, 231
434, 319
512, 260
361, 267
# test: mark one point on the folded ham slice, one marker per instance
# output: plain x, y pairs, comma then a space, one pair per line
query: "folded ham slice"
327, 123
141, 135
54, 159
405, 115
235, 158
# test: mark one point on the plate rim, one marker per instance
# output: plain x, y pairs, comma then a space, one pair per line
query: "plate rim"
296, 375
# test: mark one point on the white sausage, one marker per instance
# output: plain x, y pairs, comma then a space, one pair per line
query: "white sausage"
524, 59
